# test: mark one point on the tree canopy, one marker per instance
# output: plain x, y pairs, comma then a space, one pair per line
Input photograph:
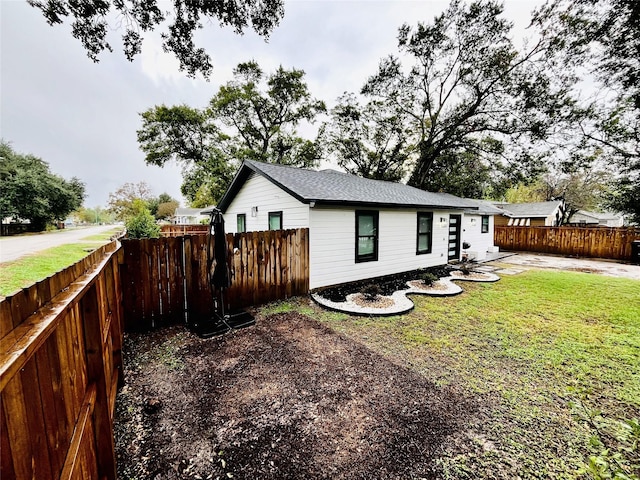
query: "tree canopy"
368, 140
30, 191
128, 200
254, 116
91, 22
467, 90
122, 203
601, 40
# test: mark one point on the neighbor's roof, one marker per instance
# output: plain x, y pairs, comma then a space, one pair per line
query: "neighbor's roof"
485, 207
330, 187
534, 209
601, 215
187, 212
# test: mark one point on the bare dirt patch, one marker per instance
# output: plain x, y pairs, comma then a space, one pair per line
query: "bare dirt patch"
288, 398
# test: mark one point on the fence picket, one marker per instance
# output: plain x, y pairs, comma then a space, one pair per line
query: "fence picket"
613, 243
267, 266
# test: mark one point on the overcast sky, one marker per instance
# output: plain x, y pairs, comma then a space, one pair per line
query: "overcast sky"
81, 117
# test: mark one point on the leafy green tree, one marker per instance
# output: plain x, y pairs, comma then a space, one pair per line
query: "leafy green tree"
467, 89
369, 140
600, 39
91, 24
254, 116
625, 197
163, 207
526, 193
94, 215
141, 224
30, 191
584, 189
461, 174
123, 202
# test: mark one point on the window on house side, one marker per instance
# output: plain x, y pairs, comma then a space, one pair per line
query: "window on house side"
485, 224
366, 236
275, 220
241, 223
425, 230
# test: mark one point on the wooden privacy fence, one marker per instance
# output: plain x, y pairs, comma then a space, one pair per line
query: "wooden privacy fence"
60, 365
166, 281
180, 230
614, 243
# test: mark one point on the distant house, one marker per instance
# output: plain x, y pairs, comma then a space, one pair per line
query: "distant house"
536, 214
358, 228
597, 219
188, 216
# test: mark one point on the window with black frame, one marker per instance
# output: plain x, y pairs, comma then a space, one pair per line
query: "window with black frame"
366, 236
425, 233
485, 224
275, 220
241, 223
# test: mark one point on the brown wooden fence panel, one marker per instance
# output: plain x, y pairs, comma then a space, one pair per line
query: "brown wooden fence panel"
60, 365
166, 280
182, 230
613, 243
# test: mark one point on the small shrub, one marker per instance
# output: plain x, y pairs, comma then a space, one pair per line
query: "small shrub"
429, 279
371, 291
142, 225
465, 269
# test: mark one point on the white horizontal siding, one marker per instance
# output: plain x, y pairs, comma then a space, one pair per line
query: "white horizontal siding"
332, 245
472, 233
259, 192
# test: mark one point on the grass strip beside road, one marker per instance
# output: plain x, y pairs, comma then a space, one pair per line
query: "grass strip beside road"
28, 270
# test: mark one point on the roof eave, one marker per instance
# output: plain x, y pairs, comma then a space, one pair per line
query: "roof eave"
350, 203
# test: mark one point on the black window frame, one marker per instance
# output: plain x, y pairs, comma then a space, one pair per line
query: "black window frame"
484, 228
242, 216
274, 215
429, 249
369, 257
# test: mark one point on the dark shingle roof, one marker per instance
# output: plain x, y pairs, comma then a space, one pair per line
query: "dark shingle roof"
330, 187
485, 207
534, 209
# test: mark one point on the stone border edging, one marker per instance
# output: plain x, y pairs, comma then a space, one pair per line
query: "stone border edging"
401, 303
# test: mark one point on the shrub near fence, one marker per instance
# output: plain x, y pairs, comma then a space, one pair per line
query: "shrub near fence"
60, 364
165, 280
613, 243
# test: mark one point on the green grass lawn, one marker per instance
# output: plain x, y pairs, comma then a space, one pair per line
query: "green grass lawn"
538, 350
30, 269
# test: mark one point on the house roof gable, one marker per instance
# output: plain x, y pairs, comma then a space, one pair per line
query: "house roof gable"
330, 187
532, 210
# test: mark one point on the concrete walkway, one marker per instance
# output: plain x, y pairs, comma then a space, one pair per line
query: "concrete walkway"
533, 260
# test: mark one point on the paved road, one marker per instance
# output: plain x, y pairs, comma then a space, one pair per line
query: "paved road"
12, 248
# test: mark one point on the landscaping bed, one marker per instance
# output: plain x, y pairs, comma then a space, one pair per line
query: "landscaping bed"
388, 284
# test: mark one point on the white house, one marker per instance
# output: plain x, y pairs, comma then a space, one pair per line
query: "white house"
477, 229
603, 219
188, 216
358, 228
